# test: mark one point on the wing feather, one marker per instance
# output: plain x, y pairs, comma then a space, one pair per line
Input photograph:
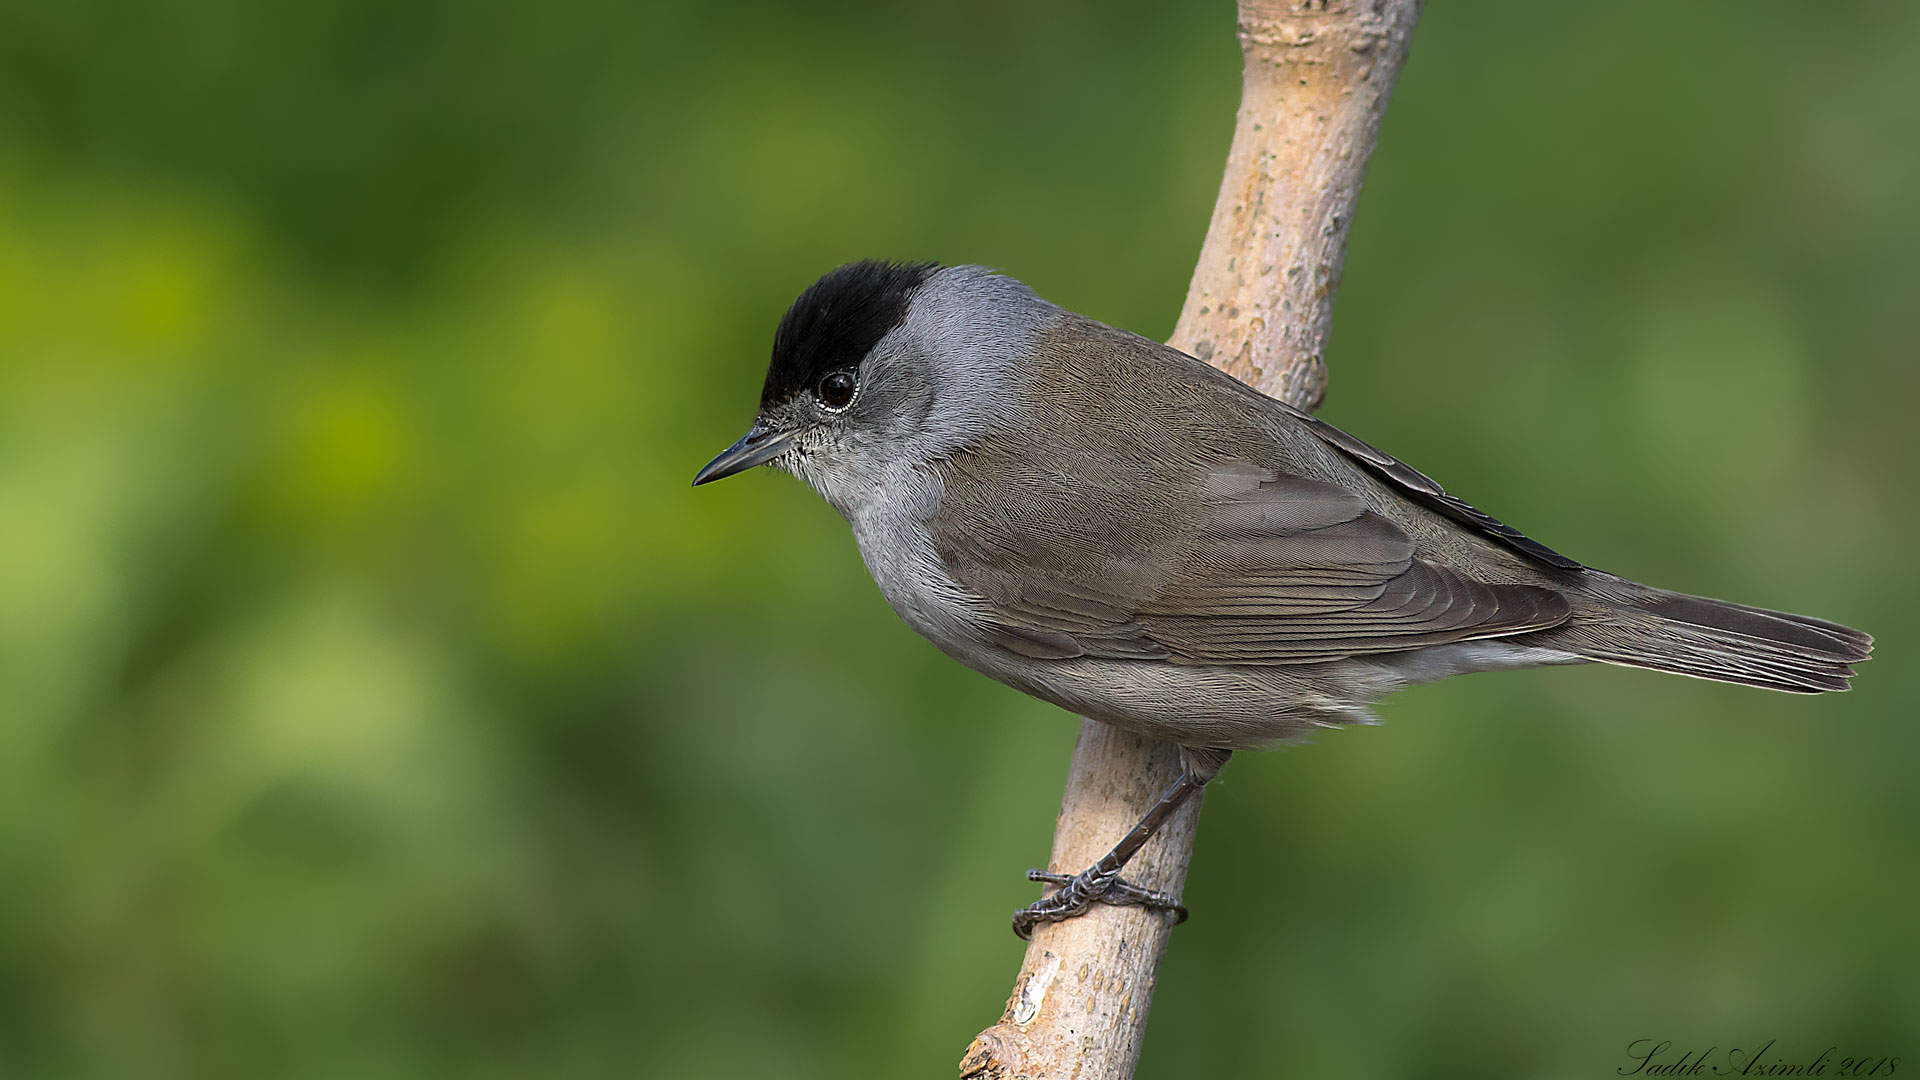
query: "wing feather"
1264, 568
1422, 489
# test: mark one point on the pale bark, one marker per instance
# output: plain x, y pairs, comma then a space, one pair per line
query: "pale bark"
1316, 80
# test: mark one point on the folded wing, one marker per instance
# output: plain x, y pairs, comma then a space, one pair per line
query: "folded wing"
1260, 568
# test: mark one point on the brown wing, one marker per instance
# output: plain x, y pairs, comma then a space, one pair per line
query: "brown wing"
1232, 564
1422, 489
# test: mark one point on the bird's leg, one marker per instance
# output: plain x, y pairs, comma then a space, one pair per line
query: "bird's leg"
1100, 883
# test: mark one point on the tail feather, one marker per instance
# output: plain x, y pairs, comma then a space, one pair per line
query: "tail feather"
1713, 639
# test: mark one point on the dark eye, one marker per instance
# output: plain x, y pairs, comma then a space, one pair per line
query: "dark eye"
836, 389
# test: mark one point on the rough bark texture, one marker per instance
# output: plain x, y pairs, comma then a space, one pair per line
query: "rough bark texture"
1316, 80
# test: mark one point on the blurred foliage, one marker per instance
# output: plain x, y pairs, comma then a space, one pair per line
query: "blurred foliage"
376, 700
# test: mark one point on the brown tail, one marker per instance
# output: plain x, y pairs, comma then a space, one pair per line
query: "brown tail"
1712, 639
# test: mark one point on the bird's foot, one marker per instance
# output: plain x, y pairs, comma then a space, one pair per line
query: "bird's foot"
1078, 892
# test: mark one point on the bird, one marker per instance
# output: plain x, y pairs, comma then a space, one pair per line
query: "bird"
1108, 524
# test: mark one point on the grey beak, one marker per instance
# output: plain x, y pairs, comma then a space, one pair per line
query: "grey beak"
758, 446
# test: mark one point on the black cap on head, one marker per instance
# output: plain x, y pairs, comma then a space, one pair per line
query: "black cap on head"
838, 320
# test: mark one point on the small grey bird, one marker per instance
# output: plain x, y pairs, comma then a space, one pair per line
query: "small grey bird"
1110, 525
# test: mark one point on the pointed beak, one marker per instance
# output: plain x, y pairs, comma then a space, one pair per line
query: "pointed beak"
758, 446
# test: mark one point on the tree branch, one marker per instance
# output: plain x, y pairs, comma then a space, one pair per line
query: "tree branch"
1317, 75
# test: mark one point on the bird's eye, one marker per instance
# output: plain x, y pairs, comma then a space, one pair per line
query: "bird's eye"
836, 389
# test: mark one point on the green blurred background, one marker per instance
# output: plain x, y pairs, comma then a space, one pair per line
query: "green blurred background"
377, 700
